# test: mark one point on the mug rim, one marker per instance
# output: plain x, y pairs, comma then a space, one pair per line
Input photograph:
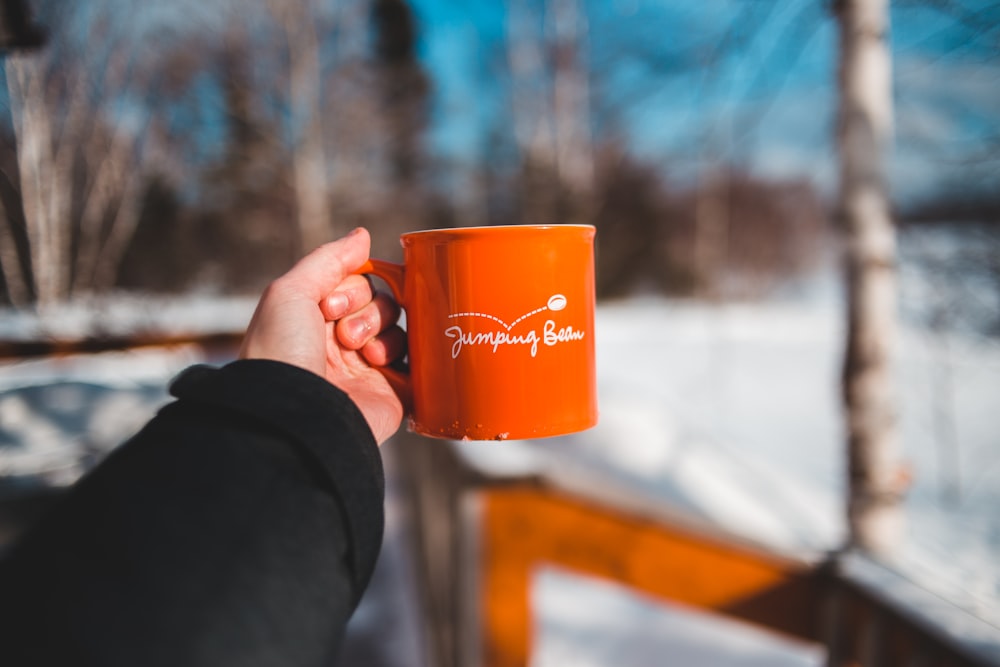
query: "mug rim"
461, 231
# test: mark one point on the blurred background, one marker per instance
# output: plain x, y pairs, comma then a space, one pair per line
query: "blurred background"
160, 163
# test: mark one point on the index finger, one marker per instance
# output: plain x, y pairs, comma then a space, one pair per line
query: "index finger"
321, 271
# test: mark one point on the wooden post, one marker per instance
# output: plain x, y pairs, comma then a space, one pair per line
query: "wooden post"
865, 124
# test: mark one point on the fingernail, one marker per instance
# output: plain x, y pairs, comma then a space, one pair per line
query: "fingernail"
337, 304
358, 330
355, 231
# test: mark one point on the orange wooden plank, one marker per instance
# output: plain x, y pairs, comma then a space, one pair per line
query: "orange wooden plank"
523, 528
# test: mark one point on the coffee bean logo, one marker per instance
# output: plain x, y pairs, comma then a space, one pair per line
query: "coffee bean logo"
557, 302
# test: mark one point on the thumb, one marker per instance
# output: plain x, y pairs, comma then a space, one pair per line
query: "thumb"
321, 271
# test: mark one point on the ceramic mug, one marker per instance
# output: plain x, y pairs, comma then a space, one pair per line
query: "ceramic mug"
500, 328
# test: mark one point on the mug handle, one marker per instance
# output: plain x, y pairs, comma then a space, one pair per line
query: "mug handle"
393, 275
390, 272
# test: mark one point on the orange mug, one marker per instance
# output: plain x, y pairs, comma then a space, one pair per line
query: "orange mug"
500, 327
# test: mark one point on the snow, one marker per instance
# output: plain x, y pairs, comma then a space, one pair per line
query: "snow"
127, 314
730, 413
735, 409
59, 416
632, 630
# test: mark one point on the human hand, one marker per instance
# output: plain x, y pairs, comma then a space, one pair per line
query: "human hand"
320, 317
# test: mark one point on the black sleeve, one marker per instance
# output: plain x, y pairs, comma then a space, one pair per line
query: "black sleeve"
239, 527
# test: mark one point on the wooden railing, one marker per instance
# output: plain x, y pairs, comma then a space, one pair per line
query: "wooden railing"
27, 349
875, 617
524, 528
482, 535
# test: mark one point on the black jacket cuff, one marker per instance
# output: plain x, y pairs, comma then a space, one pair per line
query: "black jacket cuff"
321, 421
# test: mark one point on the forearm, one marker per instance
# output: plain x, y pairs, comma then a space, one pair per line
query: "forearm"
239, 527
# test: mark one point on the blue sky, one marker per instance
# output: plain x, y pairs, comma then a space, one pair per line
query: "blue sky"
751, 81
757, 76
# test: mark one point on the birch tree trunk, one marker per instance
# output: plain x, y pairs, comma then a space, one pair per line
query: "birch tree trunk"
117, 167
711, 233
571, 96
309, 168
24, 87
44, 178
80, 166
308, 154
11, 260
531, 115
875, 515
353, 123
551, 107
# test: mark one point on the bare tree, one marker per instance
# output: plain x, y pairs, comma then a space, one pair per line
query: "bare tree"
45, 175
551, 107
355, 125
865, 123
533, 132
14, 263
404, 87
355, 99
571, 95
80, 162
309, 164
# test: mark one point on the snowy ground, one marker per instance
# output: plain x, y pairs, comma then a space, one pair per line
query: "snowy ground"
632, 630
60, 416
731, 412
